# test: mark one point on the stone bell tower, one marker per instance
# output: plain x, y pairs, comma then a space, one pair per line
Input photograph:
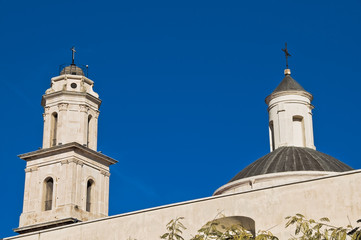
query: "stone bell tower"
67, 180
71, 110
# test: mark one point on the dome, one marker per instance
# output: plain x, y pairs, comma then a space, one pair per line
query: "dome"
72, 70
288, 159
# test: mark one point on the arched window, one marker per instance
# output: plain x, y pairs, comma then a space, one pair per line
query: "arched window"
89, 193
48, 200
225, 223
89, 130
54, 126
298, 131
272, 135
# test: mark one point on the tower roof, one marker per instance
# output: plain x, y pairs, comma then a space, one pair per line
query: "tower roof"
287, 159
72, 69
288, 84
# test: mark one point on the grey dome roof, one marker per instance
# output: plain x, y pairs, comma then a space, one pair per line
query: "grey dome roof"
287, 159
72, 69
289, 84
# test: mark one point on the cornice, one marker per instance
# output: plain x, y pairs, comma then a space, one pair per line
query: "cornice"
70, 93
73, 146
285, 93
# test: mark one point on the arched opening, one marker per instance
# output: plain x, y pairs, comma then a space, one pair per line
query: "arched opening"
48, 197
89, 193
89, 128
53, 130
272, 136
230, 224
298, 131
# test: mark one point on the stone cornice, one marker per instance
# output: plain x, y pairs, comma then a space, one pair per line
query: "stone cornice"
74, 146
285, 93
105, 173
270, 178
47, 225
31, 169
69, 93
69, 76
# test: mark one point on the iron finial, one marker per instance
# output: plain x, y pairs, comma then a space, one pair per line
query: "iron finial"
73, 55
287, 54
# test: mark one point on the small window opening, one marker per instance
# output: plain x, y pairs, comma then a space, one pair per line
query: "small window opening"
54, 126
272, 135
49, 184
89, 189
88, 130
298, 131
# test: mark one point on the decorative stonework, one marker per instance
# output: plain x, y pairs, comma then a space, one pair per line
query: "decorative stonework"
76, 161
107, 174
31, 169
79, 162
82, 87
46, 110
83, 108
63, 106
96, 115
64, 162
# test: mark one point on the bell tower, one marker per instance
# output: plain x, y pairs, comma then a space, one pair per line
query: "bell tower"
67, 180
290, 113
71, 109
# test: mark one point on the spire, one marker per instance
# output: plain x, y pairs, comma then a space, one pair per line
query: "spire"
73, 69
288, 83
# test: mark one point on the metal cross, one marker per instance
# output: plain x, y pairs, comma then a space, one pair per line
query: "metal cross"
73, 54
285, 50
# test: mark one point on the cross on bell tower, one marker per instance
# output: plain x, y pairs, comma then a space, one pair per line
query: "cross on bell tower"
73, 55
287, 54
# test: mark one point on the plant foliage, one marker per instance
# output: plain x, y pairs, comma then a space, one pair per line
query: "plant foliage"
174, 228
214, 231
309, 229
305, 229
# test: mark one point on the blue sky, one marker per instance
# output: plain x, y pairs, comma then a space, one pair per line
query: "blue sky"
183, 85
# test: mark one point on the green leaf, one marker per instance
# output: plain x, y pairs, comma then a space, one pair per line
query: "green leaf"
164, 235
324, 219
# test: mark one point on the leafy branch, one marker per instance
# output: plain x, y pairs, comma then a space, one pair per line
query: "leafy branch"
174, 228
309, 229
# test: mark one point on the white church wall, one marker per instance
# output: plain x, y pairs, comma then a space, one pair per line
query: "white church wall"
336, 197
